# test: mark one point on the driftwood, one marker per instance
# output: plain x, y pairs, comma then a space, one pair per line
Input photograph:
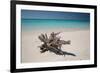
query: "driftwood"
53, 44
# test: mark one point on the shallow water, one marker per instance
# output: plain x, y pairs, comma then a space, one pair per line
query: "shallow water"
28, 24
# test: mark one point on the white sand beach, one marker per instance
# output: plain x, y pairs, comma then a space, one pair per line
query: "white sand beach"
80, 46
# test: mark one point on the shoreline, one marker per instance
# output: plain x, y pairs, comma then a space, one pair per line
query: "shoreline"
55, 30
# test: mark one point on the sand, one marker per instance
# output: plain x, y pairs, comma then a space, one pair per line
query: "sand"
80, 46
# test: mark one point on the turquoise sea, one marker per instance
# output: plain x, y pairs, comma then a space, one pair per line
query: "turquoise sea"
28, 24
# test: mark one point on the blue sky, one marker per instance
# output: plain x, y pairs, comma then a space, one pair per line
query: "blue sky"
36, 14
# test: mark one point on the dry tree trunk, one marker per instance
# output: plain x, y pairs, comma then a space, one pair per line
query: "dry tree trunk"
53, 44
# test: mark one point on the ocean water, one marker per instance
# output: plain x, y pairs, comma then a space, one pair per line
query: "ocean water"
33, 24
